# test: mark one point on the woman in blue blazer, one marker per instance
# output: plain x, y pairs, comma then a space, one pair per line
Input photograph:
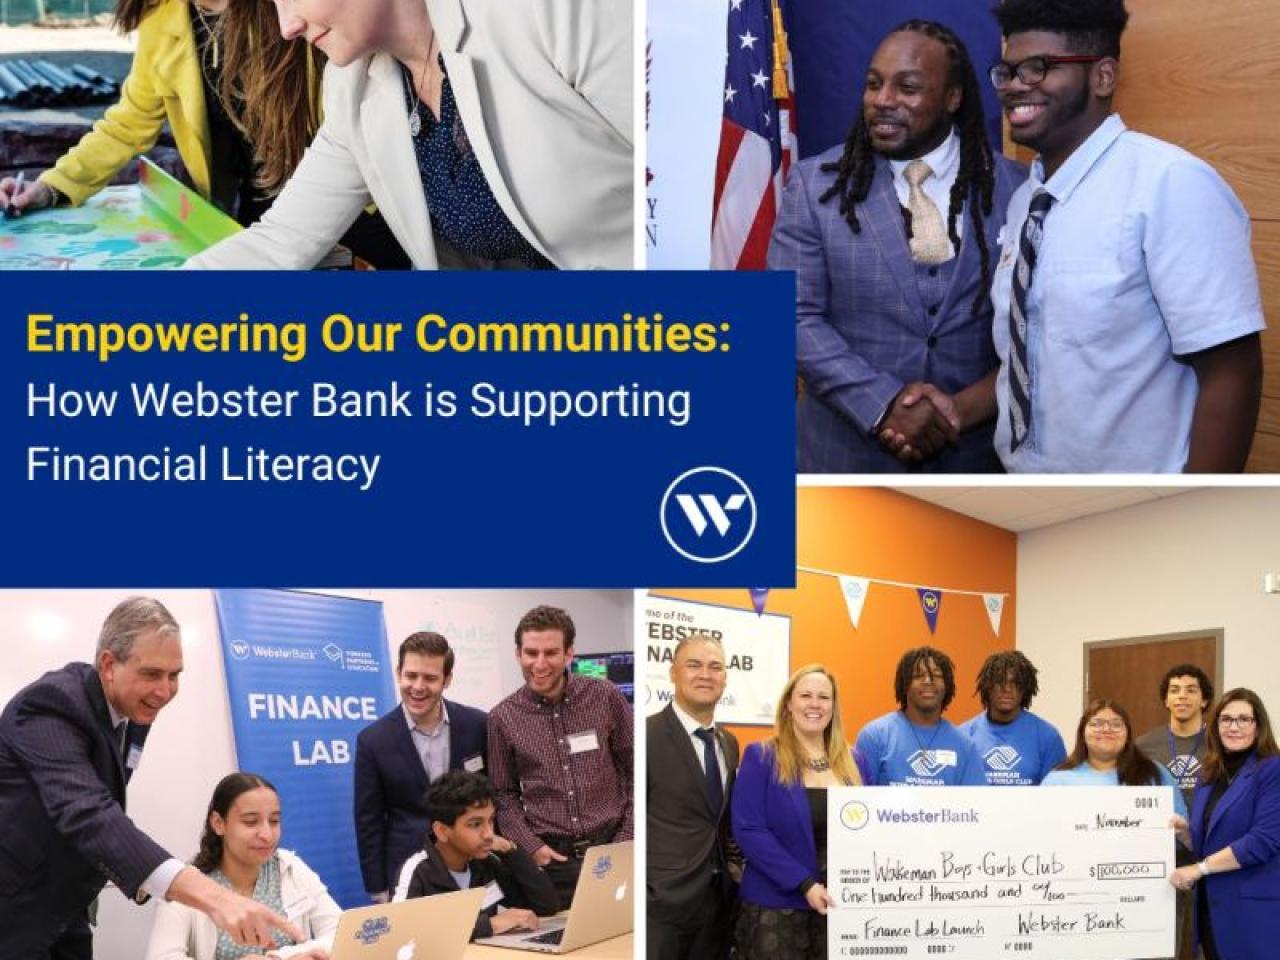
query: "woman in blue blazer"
780, 821
1235, 830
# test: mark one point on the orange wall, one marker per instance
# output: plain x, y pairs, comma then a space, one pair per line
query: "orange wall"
873, 532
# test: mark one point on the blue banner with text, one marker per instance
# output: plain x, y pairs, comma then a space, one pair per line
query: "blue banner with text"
449, 430
305, 674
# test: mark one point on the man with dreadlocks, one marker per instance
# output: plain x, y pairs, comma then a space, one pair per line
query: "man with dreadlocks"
914, 746
1127, 308
892, 238
1017, 747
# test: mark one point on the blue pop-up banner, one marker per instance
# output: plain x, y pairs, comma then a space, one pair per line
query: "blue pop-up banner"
305, 674
497, 430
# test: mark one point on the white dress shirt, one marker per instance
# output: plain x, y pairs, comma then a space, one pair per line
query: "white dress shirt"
944, 161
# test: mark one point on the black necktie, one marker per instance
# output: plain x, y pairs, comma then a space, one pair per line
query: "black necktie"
1019, 370
121, 732
714, 788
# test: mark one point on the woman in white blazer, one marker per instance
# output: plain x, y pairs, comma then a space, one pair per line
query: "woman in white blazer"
240, 849
429, 103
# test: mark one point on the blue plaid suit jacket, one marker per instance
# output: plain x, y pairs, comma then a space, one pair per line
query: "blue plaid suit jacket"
862, 330
63, 829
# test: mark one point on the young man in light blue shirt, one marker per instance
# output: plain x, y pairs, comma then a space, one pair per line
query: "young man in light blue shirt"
915, 746
1127, 307
1017, 748
1142, 306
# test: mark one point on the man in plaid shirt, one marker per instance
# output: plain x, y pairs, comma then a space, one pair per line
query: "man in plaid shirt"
560, 754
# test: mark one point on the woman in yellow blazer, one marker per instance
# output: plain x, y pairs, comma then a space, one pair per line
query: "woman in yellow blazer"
203, 66
242, 102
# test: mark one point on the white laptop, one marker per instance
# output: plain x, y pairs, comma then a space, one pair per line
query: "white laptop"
425, 928
602, 906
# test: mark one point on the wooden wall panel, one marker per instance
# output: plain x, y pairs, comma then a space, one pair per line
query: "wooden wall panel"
1203, 75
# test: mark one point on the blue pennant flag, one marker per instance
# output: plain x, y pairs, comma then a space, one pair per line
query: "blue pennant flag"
930, 601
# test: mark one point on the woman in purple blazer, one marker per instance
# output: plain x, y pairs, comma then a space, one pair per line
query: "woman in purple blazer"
780, 821
1235, 830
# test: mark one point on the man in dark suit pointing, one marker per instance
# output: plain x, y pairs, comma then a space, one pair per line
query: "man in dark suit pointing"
691, 768
69, 743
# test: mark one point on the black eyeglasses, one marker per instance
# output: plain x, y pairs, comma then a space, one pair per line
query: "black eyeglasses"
1031, 70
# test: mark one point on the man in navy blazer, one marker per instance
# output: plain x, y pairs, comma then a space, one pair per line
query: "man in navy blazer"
69, 743
892, 238
399, 755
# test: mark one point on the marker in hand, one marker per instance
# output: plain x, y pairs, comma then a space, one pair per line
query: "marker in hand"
10, 211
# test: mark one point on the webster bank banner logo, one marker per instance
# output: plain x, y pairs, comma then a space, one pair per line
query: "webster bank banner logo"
637, 426
306, 672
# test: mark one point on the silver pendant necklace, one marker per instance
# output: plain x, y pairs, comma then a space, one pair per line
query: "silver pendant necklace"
415, 118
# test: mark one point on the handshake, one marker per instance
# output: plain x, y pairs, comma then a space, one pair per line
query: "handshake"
920, 423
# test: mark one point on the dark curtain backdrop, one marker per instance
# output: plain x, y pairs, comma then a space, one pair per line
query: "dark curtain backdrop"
831, 45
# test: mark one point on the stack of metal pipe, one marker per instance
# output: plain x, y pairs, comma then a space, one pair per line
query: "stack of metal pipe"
39, 83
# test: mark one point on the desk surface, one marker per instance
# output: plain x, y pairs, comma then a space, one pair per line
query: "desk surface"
619, 948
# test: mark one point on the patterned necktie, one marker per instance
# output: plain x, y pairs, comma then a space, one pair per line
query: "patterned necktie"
1019, 372
929, 243
714, 788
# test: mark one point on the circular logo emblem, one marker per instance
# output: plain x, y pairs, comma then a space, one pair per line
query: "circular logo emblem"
855, 815
708, 514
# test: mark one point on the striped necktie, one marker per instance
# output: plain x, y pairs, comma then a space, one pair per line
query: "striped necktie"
1019, 372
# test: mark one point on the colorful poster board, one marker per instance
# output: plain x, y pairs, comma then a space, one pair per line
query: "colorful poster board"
155, 224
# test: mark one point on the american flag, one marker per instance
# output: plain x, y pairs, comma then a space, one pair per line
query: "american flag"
757, 135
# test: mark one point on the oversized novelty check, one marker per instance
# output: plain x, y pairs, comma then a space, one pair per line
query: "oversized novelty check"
981, 873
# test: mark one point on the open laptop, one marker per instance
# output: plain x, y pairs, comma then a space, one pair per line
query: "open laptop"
602, 906
425, 928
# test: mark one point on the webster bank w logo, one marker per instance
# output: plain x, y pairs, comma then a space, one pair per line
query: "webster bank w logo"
708, 514
854, 815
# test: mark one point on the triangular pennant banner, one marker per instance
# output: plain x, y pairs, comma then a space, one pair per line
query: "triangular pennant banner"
930, 601
994, 603
759, 596
854, 590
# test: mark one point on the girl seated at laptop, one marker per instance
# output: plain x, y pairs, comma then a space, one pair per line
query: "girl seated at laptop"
462, 851
240, 849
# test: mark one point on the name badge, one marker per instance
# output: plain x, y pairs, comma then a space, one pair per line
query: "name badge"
946, 758
473, 764
134, 758
493, 895
582, 742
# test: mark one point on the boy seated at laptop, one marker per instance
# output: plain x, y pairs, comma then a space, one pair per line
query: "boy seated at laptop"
463, 851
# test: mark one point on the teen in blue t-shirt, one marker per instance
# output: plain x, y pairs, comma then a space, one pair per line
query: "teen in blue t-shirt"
914, 746
1017, 748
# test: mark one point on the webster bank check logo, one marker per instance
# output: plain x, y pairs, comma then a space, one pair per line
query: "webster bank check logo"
854, 815
708, 514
